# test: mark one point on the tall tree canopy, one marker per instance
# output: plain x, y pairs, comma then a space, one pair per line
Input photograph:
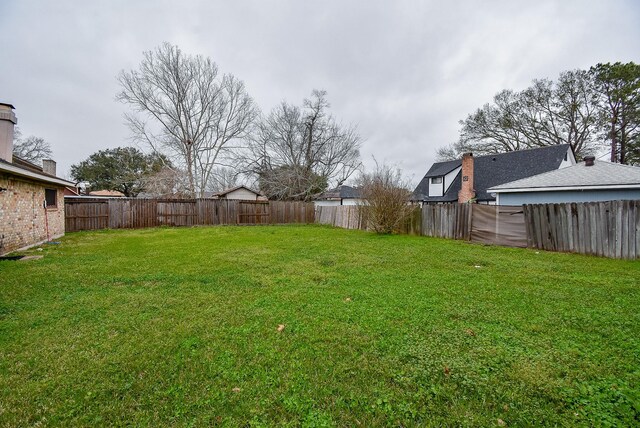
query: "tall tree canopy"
123, 169
187, 111
580, 108
619, 88
297, 151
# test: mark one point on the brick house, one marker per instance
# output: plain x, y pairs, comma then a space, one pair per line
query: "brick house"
31, 196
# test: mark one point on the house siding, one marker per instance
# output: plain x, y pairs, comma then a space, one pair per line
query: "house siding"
558, 197
324, 203
22, 214
333, 203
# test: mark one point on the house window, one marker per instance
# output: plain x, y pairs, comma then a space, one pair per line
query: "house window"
436, 180
50, 196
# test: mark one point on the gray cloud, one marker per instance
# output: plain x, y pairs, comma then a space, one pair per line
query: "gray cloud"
405, 72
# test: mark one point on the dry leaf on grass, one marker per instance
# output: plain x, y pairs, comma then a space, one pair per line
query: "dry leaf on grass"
348, 299
280, 328
470, 332
501, 423
236, 389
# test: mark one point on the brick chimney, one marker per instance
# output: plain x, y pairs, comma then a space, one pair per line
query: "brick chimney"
7, 122
467, 192
49, 166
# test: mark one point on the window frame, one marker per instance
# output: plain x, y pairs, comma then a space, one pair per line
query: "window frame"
47, 197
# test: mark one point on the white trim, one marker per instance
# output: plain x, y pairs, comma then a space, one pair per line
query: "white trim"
34, 175
563, 188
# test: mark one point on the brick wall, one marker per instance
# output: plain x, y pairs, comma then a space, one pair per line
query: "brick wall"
22, 216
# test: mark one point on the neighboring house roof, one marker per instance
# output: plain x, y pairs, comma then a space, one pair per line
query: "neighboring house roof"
601, 175
233, 189
493, 170
110, 193
340, 192
439, 169
25, 169
71, 191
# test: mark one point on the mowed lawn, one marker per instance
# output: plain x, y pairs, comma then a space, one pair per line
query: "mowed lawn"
179, 327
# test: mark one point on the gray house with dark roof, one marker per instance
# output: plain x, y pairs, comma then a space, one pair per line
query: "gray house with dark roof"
588, 181
469, 179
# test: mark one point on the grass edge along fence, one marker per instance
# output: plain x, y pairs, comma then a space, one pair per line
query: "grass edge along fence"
607, 229
131, 213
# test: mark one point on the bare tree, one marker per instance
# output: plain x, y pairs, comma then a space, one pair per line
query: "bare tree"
33, 149
544, 114
223, 178
186, 110
386, 199
167, 183
297, 152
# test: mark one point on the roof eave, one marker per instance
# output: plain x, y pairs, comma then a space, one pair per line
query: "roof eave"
12, 169
563, 188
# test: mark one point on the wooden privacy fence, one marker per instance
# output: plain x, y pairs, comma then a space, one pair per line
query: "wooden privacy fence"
130, 213
451, 221
609, 229
345, 216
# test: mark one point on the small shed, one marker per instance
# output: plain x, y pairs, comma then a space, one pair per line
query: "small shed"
240, 193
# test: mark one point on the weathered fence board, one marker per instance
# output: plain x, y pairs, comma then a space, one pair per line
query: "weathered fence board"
606, 229
94, 214
345, 216
130, 213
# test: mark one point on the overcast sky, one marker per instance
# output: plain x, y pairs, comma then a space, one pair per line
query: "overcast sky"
404, 72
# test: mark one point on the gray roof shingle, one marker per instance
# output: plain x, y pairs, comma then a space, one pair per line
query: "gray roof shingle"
340, 192
579, 176
493, 170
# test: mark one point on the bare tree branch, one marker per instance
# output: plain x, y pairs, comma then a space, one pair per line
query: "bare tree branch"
186, 111
296, 152
33, 149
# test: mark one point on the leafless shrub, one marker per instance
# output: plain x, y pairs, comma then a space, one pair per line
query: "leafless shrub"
386, 199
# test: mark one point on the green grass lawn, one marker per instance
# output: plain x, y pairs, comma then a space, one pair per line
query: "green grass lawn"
162, 327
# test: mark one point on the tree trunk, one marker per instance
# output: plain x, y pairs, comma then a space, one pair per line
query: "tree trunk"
192, 187
614, 140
